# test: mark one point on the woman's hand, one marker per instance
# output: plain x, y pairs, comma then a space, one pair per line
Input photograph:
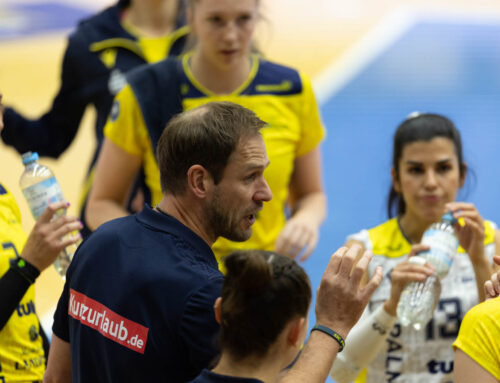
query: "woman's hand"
492, 287
404, 273
298, 238
471, 235
49, 236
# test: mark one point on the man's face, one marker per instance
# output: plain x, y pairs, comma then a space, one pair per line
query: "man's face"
241, 192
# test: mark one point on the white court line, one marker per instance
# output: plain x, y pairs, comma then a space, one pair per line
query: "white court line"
371, 45
385, 33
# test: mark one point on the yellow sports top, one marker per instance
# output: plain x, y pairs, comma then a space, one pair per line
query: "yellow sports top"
279, 95
479, 335
22, 357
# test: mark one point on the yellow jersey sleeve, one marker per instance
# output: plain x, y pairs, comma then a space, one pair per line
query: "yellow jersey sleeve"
479, 335
312, 129
125, 126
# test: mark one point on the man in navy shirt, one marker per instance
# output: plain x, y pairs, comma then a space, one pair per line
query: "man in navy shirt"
138, 301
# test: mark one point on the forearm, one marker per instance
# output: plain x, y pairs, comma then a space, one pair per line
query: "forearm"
13, 286
314, 361
312, 206
362, 345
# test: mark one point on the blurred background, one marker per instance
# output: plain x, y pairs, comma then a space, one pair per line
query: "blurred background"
372, 62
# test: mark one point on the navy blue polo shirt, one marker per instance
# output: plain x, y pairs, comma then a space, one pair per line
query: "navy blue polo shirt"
138, 302
207, 376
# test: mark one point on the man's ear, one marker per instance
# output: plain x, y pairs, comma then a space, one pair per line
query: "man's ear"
217, 310
294, 329
199, 181
395, 181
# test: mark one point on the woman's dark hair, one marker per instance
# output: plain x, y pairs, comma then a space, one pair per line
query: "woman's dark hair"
262, 292
421, 127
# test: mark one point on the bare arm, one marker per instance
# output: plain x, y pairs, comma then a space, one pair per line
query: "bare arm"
114, 176
59, 365
339, 304
467, 370
300, 234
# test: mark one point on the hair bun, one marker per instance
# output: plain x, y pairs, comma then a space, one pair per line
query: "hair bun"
250, 271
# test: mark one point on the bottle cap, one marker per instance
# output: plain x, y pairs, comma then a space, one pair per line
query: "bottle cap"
448, 216
29, 157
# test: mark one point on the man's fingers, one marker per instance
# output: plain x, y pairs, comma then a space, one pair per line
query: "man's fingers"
348, 260
335, 261
375, 282
360, 268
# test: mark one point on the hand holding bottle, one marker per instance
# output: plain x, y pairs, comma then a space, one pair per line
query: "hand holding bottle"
44, 242
404, 273
471, 234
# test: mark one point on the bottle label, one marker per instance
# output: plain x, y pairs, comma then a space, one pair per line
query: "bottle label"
42, 194
443, 247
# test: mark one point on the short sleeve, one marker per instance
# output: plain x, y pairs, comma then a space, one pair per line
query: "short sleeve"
125, 126
479, 334
61, 325
312, 129
199, 328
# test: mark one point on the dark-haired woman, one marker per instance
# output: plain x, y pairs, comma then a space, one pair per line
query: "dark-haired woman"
263, 316
428, 169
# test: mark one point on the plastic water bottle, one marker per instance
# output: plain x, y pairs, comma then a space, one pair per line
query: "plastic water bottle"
40, 188
419, 299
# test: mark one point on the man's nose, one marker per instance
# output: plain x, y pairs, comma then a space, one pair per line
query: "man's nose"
263, 193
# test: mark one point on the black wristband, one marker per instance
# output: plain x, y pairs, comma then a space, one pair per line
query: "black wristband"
25, 269
328, 331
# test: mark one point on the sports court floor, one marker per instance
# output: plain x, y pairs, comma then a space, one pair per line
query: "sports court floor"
372, 61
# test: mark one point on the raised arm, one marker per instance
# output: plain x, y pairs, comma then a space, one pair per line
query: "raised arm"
339, 303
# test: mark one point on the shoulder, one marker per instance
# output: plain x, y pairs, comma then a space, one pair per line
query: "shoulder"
385, 239
100, 26
277, 79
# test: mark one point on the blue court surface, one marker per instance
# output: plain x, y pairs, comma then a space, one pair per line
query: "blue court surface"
451, 68
29, 19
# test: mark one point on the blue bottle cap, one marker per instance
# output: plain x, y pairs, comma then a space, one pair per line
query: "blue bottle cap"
29, 157
448, 216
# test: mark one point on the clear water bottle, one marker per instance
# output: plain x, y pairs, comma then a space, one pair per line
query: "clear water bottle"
419, 299
40, 188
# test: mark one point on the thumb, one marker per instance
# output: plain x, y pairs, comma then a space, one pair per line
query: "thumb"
496, 258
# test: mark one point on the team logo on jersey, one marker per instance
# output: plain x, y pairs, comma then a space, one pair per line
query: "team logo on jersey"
33, 333
115, 111
285, 86
117, 81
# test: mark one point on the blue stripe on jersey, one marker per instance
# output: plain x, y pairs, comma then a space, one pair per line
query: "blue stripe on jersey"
2, 190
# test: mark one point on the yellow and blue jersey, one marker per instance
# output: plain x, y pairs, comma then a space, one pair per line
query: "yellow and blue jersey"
279, 95
22, 357
426, 355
